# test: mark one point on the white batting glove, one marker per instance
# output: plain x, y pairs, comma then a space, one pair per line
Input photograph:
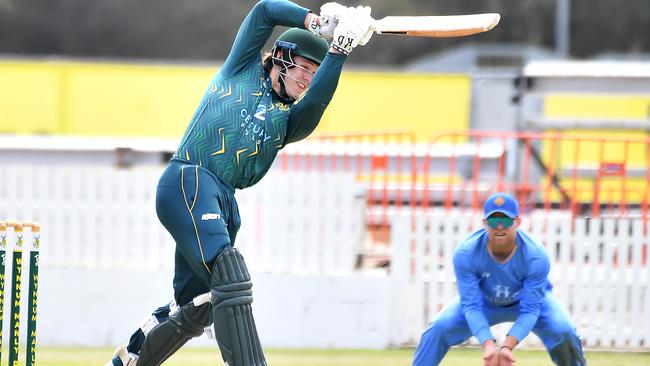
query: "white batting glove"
354, 28
363, 14
333, 10
322, 27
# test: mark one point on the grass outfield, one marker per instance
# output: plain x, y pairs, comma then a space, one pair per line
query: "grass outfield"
48, 356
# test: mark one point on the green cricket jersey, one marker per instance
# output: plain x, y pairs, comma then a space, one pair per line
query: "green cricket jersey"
241, 123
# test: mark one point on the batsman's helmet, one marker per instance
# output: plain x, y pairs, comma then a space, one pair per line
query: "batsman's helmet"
303, 43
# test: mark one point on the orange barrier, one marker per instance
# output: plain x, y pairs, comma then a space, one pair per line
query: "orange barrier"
593, 176
583, 176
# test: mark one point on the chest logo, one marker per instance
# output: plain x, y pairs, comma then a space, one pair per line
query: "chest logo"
283, 107
501, 291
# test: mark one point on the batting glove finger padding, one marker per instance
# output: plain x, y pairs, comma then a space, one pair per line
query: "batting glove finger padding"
333, 10
363, 14
354, 28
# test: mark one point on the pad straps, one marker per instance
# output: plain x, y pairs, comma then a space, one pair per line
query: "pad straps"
165, 338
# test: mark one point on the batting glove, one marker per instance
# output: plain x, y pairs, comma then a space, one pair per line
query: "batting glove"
323, 26
363, 13
354, 28
334, 10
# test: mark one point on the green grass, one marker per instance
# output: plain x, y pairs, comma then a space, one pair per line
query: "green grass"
48, 356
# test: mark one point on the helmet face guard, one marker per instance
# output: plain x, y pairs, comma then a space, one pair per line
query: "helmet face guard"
286, 58
296, 42
285, 61
288, 52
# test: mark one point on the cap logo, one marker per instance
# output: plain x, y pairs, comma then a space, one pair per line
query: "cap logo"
285, 44
499, 201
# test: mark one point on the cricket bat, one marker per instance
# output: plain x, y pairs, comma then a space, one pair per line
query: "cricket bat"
437, 26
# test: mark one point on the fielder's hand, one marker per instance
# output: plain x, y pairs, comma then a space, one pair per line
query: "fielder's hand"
490, 355
354, 28
505, 356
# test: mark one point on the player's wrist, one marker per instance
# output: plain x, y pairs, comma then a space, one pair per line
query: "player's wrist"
341, 48
335, 51
490, 343
312, 22
505, 347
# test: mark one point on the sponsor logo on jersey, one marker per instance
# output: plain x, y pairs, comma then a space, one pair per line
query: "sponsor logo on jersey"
253, 129
261, 112
210, 216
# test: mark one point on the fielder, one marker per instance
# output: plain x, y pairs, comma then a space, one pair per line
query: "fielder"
254, 106
502, 276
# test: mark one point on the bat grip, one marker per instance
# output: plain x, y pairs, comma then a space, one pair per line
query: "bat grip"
373, 26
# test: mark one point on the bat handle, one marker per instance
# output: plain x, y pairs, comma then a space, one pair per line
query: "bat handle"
373, 26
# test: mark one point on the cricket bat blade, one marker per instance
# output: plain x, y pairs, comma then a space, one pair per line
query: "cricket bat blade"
437, 26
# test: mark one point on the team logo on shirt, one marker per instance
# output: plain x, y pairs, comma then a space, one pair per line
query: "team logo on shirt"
283, 107
503, 295
501, 291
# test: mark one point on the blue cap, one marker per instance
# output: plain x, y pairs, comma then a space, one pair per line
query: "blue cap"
501, 202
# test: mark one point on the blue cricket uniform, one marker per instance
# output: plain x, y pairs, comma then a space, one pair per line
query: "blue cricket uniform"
491, 292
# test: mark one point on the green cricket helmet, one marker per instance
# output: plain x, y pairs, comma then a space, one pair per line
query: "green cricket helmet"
296, 42
303, 43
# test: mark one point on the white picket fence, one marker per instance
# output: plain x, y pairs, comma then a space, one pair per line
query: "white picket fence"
103, 217
97, 216
597, 269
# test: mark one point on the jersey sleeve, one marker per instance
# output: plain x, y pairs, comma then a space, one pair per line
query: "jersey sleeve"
471, 299
257, 28
308, 110
532, 297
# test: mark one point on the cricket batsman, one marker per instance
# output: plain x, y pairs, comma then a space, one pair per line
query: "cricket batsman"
502, 276
253, 107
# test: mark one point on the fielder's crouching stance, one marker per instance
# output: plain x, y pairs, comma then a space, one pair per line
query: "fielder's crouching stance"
255, 105
501, 274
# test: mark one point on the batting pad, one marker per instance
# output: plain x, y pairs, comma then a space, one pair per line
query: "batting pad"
164, 339
234, 325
